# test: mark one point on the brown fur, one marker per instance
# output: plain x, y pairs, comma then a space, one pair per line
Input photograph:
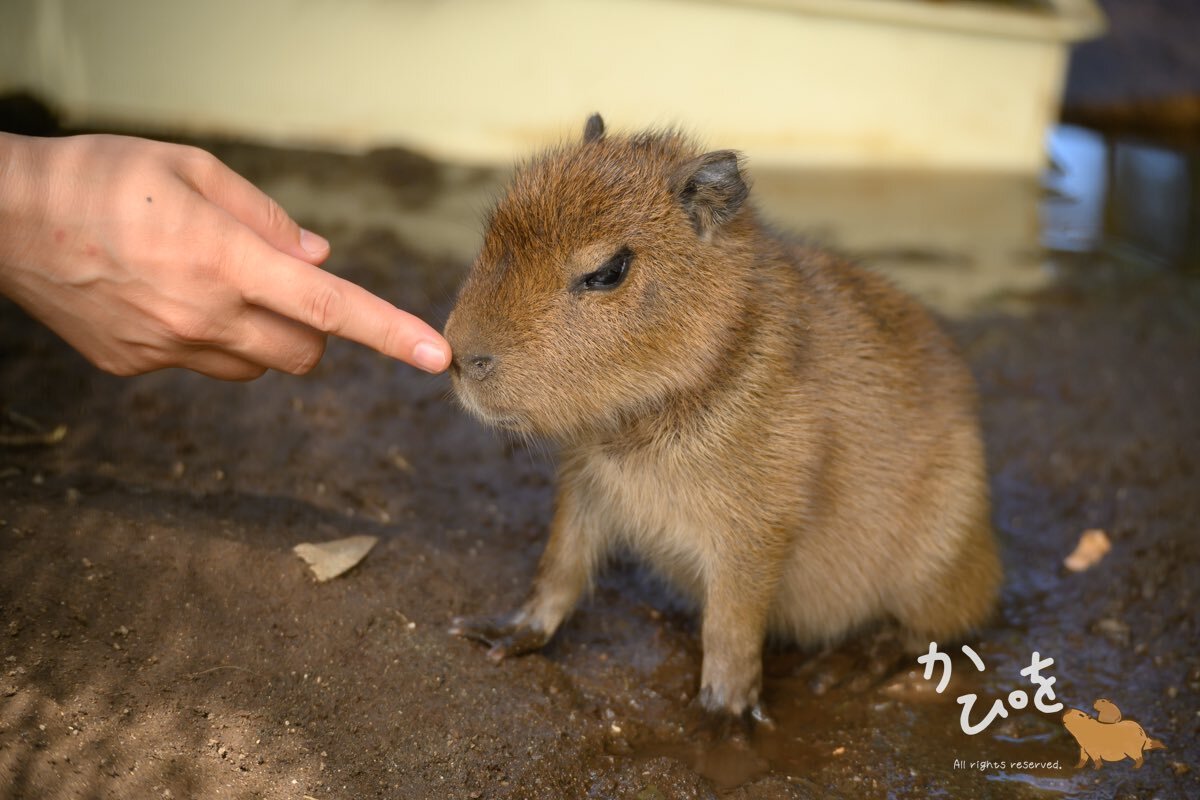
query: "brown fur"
1107, 711
785, 436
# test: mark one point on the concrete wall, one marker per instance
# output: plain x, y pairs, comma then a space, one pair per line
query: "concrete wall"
825, 82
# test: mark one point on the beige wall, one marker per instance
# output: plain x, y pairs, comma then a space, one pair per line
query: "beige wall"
480, 81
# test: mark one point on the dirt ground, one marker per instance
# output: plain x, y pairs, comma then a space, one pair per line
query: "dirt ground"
158, 637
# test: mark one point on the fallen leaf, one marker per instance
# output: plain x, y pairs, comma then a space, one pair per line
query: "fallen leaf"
1093, 546
329, 559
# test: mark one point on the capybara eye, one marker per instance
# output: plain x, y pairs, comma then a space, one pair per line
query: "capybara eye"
610, 275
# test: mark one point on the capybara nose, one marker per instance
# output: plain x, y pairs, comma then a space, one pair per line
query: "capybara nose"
477, 366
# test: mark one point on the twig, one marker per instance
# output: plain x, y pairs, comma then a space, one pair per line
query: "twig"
31, 439
194, 675
34, 433
17, 418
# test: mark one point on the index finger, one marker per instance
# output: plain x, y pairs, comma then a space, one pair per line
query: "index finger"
333, 305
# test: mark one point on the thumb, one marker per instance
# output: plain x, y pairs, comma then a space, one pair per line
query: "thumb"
261, 214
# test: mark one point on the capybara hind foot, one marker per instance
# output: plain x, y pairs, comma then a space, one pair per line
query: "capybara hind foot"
857, 672
505, 636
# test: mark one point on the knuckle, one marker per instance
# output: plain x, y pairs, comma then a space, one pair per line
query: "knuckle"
122, 369
252, 372
308, 358
326, 309
390, 339
130, 360
200, 166
196, 157
397, 338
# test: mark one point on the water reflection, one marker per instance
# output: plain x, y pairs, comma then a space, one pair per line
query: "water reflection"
965, 243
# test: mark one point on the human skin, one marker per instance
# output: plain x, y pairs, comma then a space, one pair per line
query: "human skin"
144, 255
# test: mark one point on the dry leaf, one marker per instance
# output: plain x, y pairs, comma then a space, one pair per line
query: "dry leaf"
1093, 546
330, 559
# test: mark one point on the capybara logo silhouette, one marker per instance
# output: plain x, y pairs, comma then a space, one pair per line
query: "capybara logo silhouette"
1109, 737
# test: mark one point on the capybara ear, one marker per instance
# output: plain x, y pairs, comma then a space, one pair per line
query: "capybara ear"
593, 129
711, 189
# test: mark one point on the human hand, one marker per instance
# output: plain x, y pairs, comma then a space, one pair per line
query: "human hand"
144, 255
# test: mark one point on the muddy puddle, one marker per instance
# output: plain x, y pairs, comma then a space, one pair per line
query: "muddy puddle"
158, 638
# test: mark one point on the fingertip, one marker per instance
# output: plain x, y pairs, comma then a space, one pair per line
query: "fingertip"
316, 247
431, 356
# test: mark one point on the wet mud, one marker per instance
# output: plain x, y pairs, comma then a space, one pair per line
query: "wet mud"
158, 637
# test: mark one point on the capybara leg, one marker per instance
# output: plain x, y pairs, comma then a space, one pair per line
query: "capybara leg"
1138, 760
506, 635
1096, 762
563, 573
735, 620
1083, 759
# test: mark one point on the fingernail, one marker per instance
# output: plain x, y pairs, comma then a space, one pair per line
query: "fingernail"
313, 244
429, 357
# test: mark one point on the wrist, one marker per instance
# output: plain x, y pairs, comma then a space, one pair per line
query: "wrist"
22, 213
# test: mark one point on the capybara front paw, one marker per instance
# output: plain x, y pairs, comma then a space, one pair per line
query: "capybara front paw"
746, 707
505, 636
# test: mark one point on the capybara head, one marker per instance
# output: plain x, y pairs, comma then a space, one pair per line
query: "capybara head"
613, 275
1073, 717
